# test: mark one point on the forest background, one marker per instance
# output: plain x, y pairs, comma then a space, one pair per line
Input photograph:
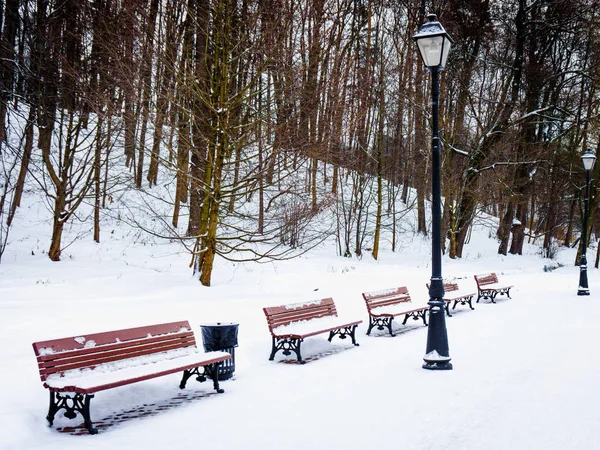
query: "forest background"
262, 127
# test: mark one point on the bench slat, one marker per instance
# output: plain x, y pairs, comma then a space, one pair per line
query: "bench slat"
449, 287
386, 297
300, 307
278, 316
489, 278
400, 291
298, 314
129, 334
89, 351
114, 346
282, 321
94, 359
373, 304
89, 387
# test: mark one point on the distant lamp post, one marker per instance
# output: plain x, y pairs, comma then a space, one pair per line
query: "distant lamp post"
434, 45
588, 158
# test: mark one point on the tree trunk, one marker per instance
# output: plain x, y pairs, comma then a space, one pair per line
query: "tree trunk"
164, 91
55, 242
97, 178
146, 80
7, 61
506, 225
470, 179
379, 162
518, 231
569, 233
26, 158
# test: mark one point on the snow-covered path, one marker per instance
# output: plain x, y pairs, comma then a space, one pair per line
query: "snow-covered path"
525, 369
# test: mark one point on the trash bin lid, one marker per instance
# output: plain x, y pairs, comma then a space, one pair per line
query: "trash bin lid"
219, 336
220, 324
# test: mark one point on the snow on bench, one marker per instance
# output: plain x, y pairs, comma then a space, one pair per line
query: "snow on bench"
291, 324
386, 304
73, 369
488, 286
453, 294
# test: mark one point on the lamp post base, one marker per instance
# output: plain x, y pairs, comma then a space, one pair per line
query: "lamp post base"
583, 288
437, 366
435, 361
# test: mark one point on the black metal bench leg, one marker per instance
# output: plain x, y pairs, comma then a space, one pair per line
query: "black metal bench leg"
493, 297
209, 371
380, 322
508, 293
343, 333
212, 370
424, 316
297, 350
186, 376
371, 325
52, 409
287, 345
478, 297
469, 301
389, 324
72, 403
273, 350
353, 335
86, 414
448, 309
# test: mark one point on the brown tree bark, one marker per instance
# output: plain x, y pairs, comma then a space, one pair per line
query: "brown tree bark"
146, 80
7, 61
25, 160
467, 203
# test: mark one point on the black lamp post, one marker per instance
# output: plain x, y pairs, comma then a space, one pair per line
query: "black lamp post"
588, 158
434, 45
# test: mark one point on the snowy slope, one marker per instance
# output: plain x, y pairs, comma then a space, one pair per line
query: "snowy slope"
525, 370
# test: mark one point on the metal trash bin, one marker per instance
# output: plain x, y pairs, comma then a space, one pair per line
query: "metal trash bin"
221, 336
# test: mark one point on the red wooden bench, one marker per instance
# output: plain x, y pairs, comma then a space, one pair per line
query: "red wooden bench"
452, 294
75, 368
489, 287
291, 324
386, 304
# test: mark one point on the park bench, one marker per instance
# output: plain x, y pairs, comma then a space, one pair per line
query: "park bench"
489, 287
73, 369
453, 294
386, 304
291, 324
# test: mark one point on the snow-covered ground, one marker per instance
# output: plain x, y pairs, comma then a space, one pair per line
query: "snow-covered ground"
525, 371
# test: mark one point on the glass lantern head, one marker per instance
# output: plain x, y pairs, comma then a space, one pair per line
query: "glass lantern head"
434, 43
588, 158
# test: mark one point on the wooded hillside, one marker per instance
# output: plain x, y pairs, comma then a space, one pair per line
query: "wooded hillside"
265, 113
